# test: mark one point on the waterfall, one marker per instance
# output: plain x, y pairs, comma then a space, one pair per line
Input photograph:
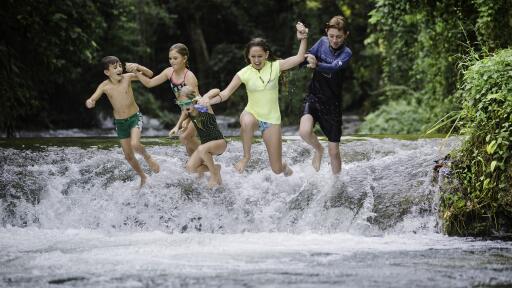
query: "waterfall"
75, 217
385, 187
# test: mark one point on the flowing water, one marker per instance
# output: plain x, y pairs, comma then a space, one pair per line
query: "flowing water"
73, 217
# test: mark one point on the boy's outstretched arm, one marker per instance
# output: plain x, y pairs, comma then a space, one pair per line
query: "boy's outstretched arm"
91, 102
290, 62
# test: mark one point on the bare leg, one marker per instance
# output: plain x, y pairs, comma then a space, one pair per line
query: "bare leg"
335, 155
201, 169
189, 139
248, 124
203, 157
215, 178
273, 142
130, 157
287, 171
306, 133
139, 148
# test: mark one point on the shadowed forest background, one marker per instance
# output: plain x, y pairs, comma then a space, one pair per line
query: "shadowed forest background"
408, 56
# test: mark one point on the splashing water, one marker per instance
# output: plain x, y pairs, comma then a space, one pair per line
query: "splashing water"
75, 217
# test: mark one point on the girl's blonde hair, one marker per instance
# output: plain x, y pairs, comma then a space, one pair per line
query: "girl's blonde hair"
187, 92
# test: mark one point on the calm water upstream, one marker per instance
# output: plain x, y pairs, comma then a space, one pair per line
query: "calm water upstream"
72, 217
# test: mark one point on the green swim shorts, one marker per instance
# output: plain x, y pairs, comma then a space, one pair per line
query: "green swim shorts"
124, 126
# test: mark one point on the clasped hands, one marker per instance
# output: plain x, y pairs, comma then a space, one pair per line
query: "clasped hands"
132, 67
302, 31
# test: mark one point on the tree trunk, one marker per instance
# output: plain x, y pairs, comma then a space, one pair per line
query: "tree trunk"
199, 47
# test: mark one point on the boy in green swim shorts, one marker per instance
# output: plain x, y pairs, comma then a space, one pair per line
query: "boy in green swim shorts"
128, 119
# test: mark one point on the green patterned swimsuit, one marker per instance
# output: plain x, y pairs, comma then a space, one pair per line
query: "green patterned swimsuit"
206, 126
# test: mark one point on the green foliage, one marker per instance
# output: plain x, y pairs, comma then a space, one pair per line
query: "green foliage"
34, 63
483, 165
50, 59
292, 91
397, 117
226, 26
494, 23
128, 28
421, 44
50, 52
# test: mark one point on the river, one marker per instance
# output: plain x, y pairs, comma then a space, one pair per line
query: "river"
73, 217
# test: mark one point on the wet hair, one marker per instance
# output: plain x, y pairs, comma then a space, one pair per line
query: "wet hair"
258, 42
180, 49
337, 22
109, 60
187, 92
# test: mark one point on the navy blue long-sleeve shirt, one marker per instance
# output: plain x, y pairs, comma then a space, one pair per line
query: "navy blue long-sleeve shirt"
327, 82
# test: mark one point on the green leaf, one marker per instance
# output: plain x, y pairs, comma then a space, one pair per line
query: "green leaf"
493, 165
486, 182
491, 147
58, 16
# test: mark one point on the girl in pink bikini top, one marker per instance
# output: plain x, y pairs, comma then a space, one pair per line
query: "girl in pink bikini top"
176, 87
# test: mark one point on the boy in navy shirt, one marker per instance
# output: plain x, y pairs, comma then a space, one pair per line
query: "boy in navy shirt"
328, 57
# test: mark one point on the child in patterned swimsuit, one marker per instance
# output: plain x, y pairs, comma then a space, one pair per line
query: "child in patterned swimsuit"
212, 140
178, 76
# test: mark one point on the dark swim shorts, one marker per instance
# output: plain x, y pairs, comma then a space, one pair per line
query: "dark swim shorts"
124, 126
328, 116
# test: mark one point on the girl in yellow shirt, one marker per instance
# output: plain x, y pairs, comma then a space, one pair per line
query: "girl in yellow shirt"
262, 111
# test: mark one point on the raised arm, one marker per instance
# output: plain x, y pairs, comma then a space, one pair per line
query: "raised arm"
91, 102
311, 54
290, 62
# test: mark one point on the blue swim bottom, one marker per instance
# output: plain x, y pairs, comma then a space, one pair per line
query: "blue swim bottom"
263, 126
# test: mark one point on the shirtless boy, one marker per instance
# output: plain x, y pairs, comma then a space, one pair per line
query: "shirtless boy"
127, 118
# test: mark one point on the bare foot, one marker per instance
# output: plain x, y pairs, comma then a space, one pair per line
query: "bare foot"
153, 165
287, 171
317, 158
215, 179
240, 166
143, 180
